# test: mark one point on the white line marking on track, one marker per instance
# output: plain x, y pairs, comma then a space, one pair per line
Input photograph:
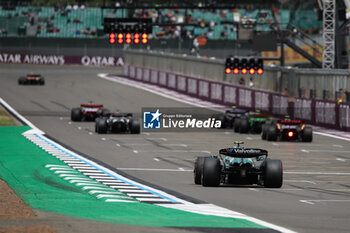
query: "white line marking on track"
118, 145
87, 180
155, 159
91, 133
141, 195
249, 138
307, 202
79, 166
339, 146
135, 151
300, 181
52, 165
107, 179
88, 183
69, 122
312, 202
109, 195
87, 169
319, 173
253, 189
123, 187
69, 175
66, 171
305, 151
342, 160
181, 169
164, 139
183, 145
100, 191
76, 178
332, 136
146, 134
61, 118
152, 199
96, 187
103, 139
101, 177
205, 151
62, 168
80, 128
133, 191
115, 183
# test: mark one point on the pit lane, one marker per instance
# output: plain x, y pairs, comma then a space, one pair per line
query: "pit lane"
315, 196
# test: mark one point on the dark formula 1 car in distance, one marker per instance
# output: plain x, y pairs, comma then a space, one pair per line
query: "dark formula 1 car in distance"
88, 112
33, 79
239, 166
117, 123
287, 130
252, 122
228, 119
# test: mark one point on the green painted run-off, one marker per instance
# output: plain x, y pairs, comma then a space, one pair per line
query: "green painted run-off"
22, 166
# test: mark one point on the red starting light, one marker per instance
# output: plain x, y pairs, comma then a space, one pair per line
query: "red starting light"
260, 71
235, 71
228, 70
128, 40
144, 41
120, 36
137, 36
120, 41
144, 36
137, 40
244, 71
251, 71
112, 38
128, 36
290, 134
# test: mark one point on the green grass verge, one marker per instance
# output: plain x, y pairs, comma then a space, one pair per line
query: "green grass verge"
22, 166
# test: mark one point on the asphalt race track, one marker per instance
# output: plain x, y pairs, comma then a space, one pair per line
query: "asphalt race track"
315, 196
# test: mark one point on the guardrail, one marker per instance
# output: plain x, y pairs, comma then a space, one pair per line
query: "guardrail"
317, 112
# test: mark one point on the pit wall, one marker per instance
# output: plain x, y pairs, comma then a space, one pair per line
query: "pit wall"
316, 112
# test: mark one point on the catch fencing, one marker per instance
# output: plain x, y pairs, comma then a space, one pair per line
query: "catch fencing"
324, 113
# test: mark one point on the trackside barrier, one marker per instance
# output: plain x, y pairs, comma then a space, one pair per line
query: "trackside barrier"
317, 112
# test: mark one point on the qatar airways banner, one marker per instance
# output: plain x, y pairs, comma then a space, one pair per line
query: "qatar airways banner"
17, 58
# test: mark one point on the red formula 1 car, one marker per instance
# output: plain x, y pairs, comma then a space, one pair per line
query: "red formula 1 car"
88, 112
33, 79
287, 130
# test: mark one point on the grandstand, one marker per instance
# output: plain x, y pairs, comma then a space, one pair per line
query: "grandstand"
54, 22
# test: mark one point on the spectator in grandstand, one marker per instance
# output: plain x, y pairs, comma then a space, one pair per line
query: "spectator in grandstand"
195, 47
241, 81
87, 31
69, 8
251, 83
3, 31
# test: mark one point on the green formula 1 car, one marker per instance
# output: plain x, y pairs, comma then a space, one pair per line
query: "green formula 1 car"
252, 123
239, 166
